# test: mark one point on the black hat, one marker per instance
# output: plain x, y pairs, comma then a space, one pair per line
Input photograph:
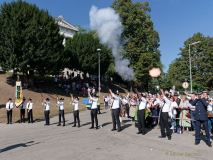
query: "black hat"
47, 99
24, 98
10, 99
30, 99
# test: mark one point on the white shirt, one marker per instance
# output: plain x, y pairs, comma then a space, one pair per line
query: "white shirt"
116, 102
23, 105
142, 104
46, 106
173, 107
75, 105
94, 103
9, 105
29, 105
157, 102
60, 105
124, 101
167, 104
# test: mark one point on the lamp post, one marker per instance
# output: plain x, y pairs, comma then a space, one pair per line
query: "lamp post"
190, 63
99, 72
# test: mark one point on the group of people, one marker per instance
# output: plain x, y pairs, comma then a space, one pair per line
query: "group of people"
174, 113
25, 106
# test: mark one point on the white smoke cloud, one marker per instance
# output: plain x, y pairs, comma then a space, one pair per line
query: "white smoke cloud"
106, 22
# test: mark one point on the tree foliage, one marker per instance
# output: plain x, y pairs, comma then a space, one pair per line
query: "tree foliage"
141, 41
202, 62
81, 53
29, 39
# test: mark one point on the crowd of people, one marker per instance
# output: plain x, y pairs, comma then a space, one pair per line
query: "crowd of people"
173, 112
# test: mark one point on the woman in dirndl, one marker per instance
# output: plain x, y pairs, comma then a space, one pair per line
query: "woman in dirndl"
185, 122
133, 106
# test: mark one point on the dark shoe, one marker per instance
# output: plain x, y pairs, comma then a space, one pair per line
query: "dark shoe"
169, 138
139, 132
63, 124
58, 124
74, 126
198, 142
113, 129
119, 130
97, 127
209, 144
91, 127
143, 133
161, 136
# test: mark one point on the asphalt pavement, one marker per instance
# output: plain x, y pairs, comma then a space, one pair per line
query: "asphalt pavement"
38, 142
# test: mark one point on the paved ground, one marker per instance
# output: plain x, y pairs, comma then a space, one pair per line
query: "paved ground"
39, 142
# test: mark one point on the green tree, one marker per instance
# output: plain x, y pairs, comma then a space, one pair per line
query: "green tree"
202, 62
81, 53
29, 40
140, 40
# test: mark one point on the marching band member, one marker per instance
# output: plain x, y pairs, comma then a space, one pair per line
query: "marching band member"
60, 104
173, 111
46, 105
141, 113
9, 108
30, 110
75, 105
22, 110
164, 116
115, 111
94, 109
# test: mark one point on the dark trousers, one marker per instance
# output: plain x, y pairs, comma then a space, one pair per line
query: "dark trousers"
115, 118
155, 114
198, 129
47, 117
192, 114
127, 109
76, 117
61, 115
93, 114
9, 116
99, 109
141, 120
22, 115
30, 116
164, 124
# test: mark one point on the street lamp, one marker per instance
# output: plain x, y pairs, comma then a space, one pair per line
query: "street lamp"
99, 72
190, 63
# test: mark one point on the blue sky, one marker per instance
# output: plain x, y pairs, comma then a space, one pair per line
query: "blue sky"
175, 20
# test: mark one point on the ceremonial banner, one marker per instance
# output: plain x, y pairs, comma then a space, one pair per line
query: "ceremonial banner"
19, 94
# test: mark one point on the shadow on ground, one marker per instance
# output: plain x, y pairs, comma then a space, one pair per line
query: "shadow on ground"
27, 144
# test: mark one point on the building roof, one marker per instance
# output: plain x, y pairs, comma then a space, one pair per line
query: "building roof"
62, 23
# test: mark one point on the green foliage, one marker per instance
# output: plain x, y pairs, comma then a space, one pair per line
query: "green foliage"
81, 53
29, 39
202, 62
141, 41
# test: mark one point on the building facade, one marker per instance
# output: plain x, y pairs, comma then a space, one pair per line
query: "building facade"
66, 29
